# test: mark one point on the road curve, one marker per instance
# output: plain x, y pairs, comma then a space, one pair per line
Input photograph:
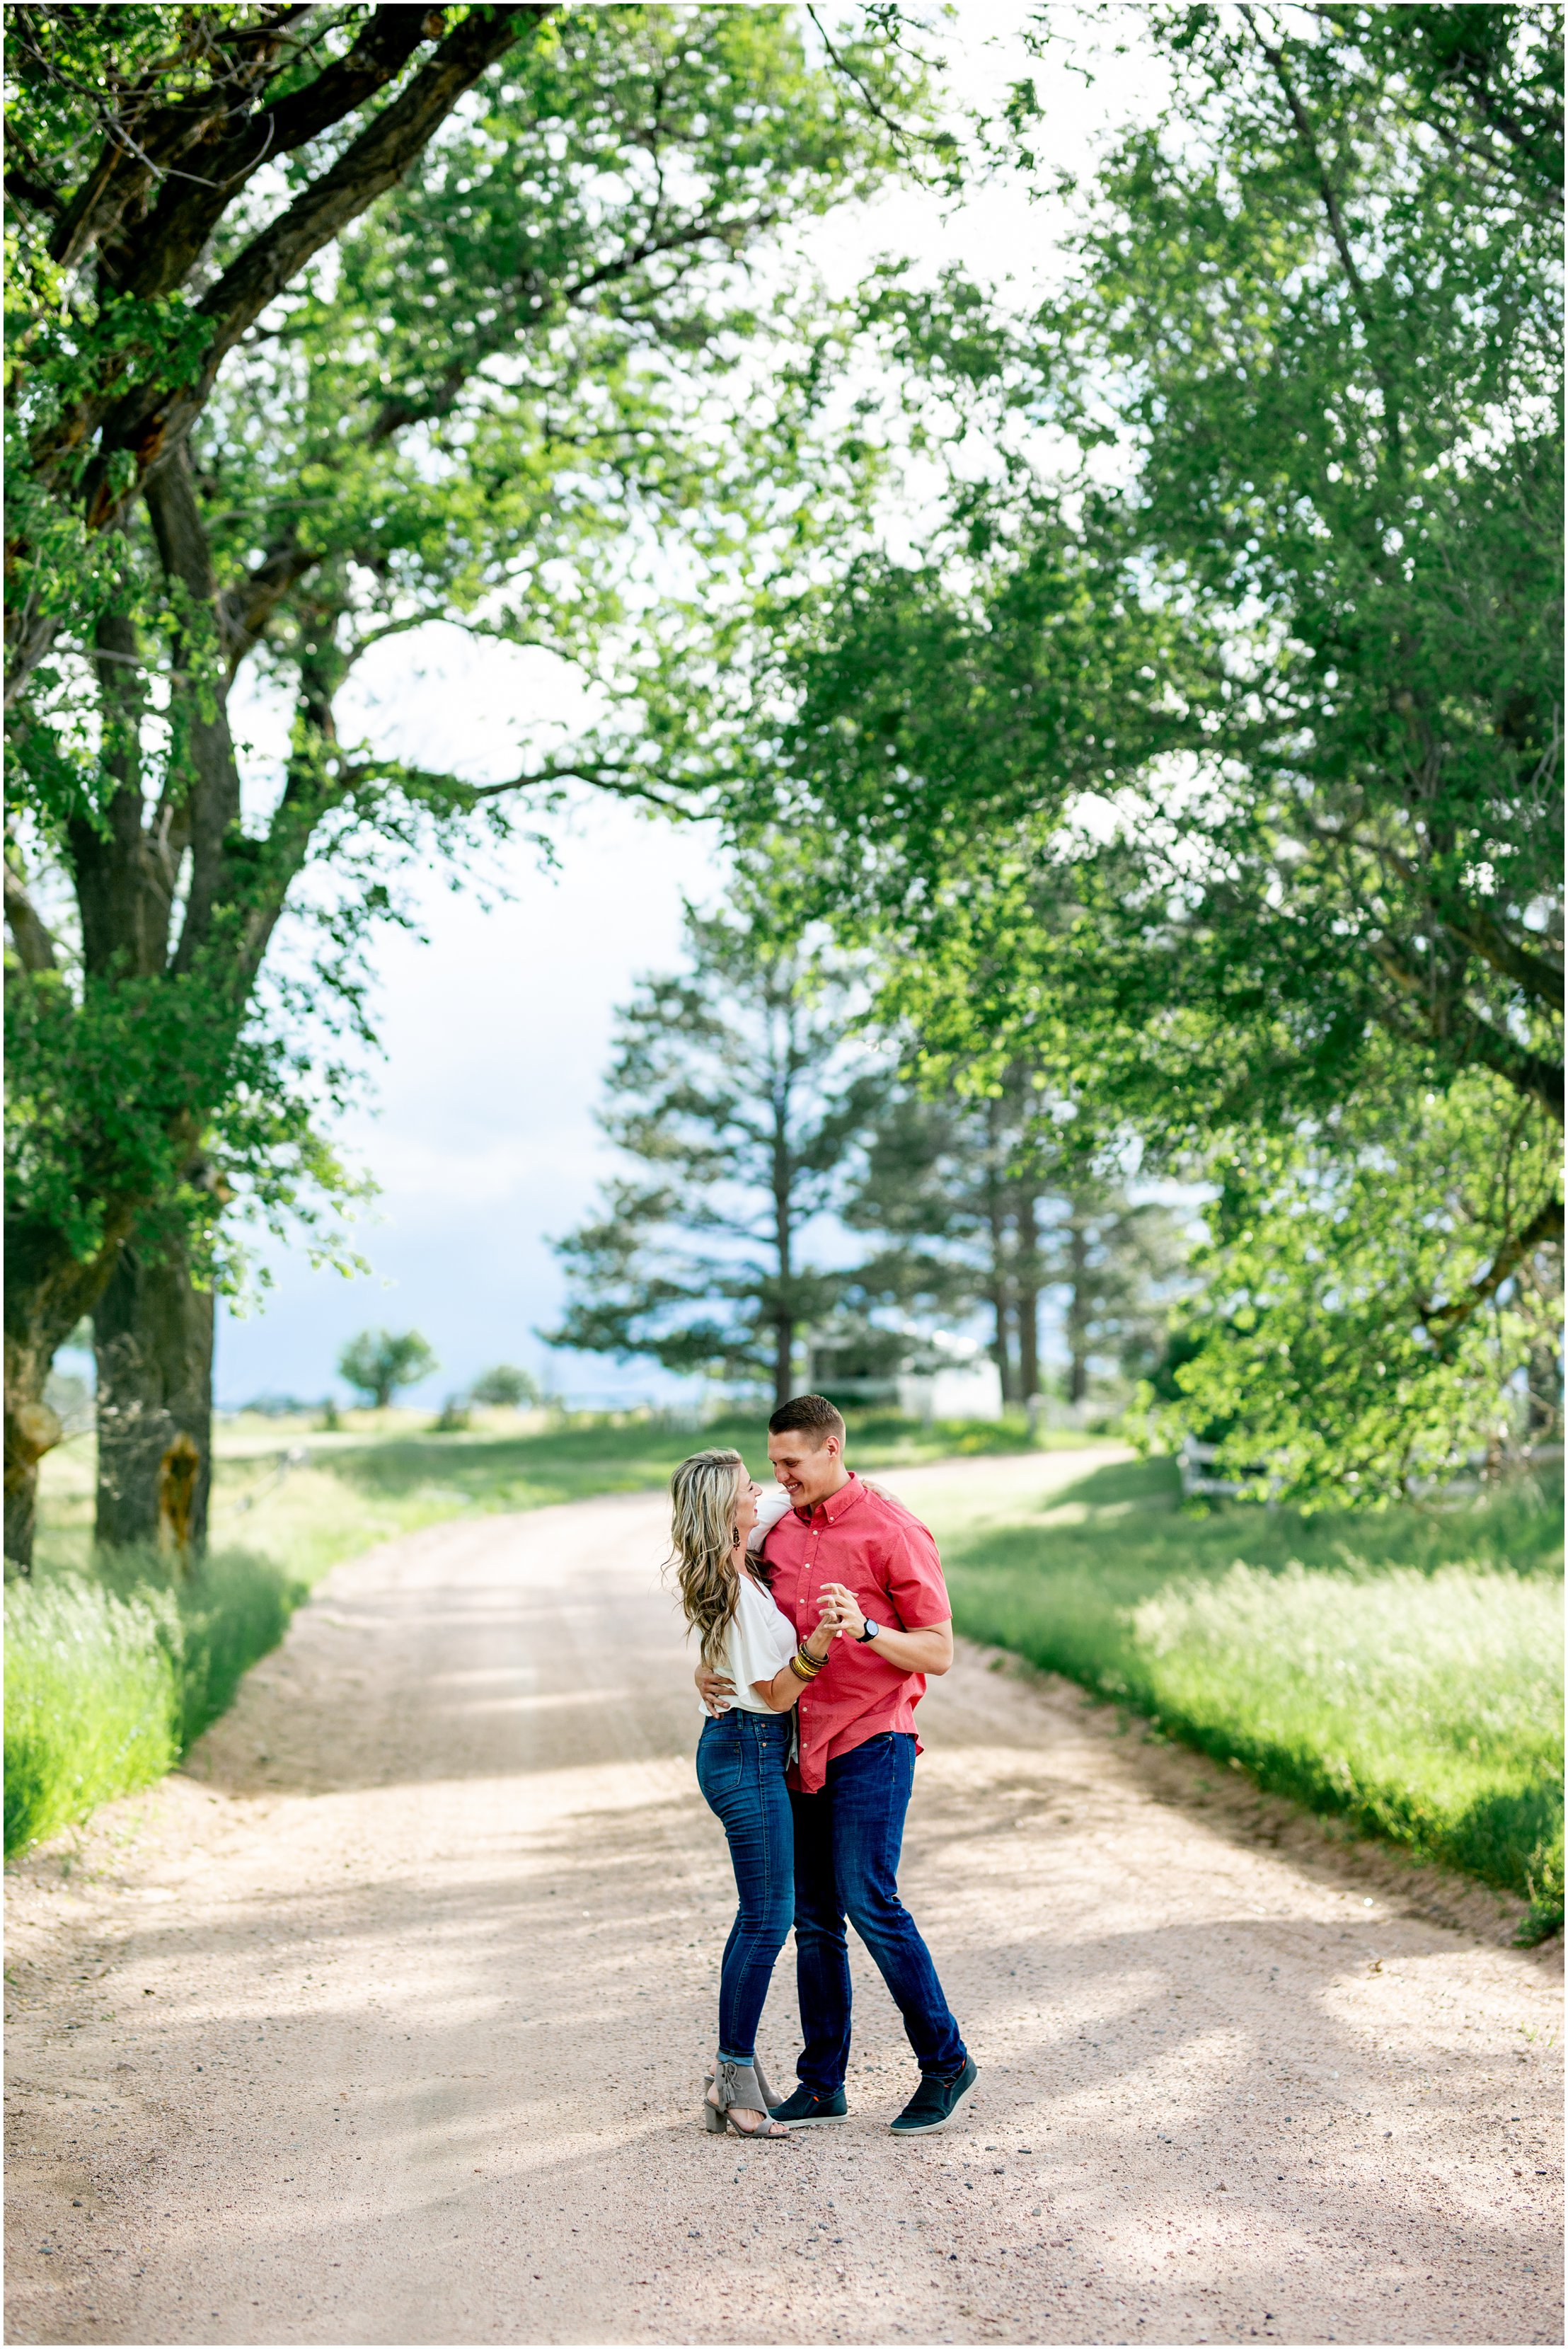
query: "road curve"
383, 2022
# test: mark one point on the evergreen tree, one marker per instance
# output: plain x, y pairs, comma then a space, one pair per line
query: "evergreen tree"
983, 1206
736, 1089
1112, 1263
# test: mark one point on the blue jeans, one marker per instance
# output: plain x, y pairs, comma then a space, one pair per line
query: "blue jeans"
847, 1844
740, 1761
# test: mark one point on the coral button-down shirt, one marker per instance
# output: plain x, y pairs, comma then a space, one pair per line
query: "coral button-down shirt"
875, 1547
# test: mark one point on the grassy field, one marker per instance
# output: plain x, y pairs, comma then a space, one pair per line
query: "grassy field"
1403, 1670
114, 1668
284, 1491
109, 1678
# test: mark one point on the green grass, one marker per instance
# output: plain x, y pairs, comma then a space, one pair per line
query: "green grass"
110, 1678
1403, 1668
572, 1462
92, 1703
113, 1669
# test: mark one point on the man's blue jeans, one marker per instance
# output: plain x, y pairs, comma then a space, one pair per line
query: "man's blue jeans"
741, 1760
847, 1845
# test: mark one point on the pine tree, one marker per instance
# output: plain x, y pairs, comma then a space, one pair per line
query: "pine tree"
984, 1207
738, 1093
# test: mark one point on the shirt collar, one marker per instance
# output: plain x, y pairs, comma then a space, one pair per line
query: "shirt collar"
831, 1510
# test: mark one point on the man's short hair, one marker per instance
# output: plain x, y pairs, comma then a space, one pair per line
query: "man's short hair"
812, 1416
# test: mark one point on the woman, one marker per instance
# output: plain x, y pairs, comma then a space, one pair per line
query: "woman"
741, 1755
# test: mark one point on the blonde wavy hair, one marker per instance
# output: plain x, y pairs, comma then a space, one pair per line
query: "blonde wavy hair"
702, 1545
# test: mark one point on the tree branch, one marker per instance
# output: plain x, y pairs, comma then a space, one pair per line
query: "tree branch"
1527, 1072
129, 165
1336, 217
1544, 1226
368, 166
1537, 974
189, 209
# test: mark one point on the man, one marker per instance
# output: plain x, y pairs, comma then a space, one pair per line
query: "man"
859, 1557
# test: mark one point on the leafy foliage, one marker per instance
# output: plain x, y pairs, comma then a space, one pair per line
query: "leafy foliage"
1213, 774
514, 385
1353, 1339
505, 1385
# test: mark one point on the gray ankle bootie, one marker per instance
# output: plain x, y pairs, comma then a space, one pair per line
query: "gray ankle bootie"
742, 2087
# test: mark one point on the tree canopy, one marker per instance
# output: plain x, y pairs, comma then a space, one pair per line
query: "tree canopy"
518, 375
1207, 758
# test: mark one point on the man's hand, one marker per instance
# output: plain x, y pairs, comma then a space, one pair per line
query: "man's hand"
842, 1608
928, 1648
713, 1689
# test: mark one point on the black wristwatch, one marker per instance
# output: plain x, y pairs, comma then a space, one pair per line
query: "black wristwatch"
871, 1632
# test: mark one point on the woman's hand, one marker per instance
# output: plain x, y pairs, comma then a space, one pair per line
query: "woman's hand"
845, 1610
820, 1642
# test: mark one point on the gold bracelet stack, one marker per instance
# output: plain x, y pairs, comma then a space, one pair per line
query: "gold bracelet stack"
804, 1665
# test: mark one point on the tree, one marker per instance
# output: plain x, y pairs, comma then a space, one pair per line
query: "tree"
1278, 316
1113, 1261
506, 1386
987, 1204
1226, 795
941, 1181
736, 1089
1378, 1310
502, 380
137, 136
379, 1361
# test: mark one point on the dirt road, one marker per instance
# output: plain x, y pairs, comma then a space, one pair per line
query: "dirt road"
384, 2023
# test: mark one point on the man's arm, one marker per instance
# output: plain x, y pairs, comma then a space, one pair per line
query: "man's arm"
713, 1689
928, 1648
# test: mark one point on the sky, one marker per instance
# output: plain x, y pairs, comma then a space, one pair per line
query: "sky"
495, 1025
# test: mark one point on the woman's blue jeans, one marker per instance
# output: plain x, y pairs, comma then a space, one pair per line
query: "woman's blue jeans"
740, 1761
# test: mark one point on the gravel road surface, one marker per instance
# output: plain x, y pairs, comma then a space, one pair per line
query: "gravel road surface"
383, 2021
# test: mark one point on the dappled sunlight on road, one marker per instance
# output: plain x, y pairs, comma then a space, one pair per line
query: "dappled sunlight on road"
407, 1987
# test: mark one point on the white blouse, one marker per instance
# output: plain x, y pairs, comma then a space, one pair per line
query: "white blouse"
758, 1645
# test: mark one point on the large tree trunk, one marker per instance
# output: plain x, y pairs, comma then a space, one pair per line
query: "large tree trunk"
31, 1430
154, 1340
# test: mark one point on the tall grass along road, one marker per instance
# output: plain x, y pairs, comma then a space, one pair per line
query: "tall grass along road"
1403, 1670
385, 2019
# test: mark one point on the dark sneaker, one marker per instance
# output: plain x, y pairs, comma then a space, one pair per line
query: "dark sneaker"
935, 2103
804, 2110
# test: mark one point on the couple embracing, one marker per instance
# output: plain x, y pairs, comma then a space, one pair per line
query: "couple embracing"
820, 1610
